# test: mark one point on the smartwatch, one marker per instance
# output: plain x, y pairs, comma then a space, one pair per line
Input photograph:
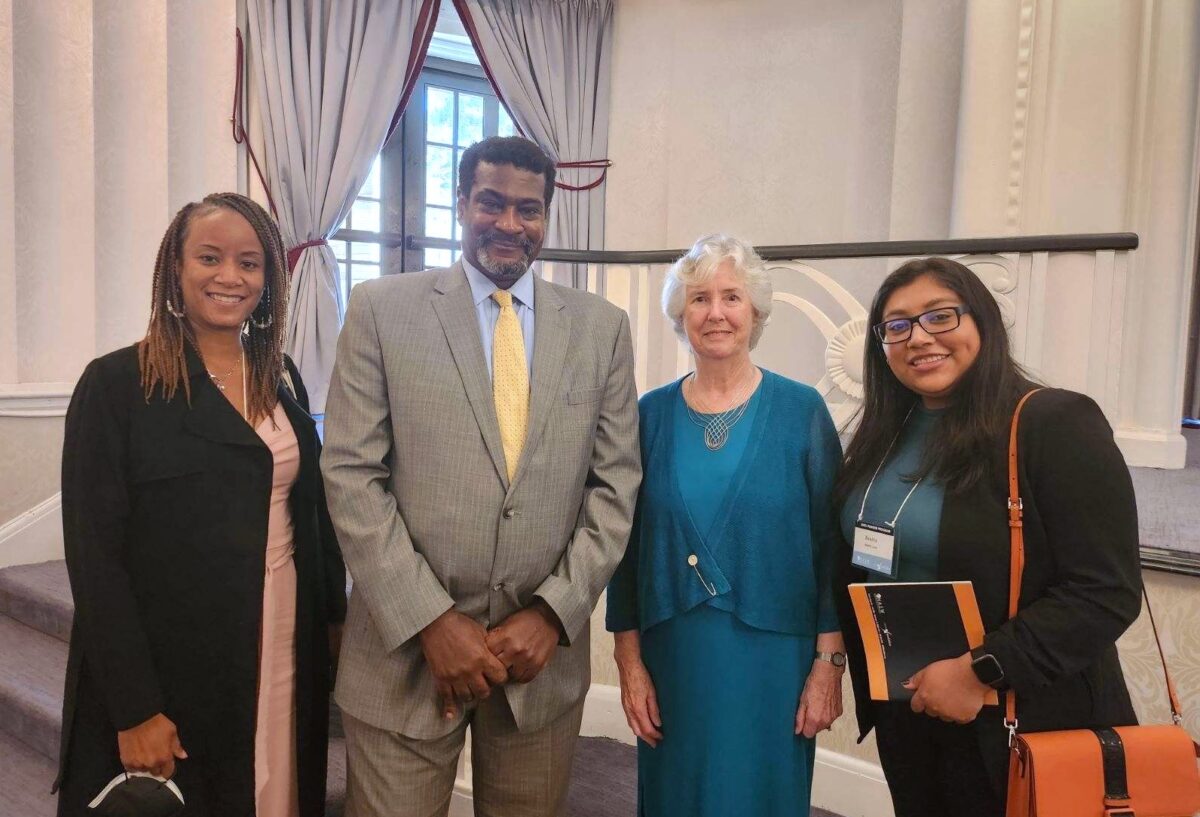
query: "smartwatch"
838, 659
987, 668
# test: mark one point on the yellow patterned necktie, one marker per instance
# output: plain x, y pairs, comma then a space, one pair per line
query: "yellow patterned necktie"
510, 381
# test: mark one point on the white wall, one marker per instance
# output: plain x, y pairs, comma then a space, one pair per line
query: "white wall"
113, 113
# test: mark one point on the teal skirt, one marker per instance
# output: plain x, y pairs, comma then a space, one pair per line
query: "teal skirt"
727, 693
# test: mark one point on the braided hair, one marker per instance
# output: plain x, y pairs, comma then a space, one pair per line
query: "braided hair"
161, 358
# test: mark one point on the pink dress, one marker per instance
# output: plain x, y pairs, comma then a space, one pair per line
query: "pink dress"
275, 786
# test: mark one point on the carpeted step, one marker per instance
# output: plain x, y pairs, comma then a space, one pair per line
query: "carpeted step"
39, 596
603, 779
25, 780
31, 688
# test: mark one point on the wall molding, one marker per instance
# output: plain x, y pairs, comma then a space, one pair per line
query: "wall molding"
35, 399
34, 535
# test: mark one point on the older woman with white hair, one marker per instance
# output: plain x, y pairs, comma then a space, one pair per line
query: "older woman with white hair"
727, 638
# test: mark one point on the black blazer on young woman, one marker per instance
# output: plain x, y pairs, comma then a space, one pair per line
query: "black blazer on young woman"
1082, 582
165, 509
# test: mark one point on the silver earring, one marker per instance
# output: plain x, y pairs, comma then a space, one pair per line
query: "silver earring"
178, 313
270, 317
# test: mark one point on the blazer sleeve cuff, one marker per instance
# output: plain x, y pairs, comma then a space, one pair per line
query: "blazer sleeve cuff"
572, 611
1018, 673
419, 613
134, 708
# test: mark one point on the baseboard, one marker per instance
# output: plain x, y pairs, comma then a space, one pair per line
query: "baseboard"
1152, 449
849, 786
34, 536
842, 784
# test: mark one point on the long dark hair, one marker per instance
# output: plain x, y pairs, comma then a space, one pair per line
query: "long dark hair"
965, 448
161, 357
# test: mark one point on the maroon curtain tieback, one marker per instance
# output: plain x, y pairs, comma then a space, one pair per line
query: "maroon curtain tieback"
293, 255
239, 127
602, 164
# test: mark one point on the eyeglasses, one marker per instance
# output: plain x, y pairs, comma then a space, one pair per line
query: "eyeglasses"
935, 321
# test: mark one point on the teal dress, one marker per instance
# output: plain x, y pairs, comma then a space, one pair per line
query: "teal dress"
727, 691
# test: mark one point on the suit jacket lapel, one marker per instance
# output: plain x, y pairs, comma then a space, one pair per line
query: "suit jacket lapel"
455, 310
212, 416
552, 335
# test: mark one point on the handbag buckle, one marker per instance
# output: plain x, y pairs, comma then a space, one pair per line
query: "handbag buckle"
1011, 726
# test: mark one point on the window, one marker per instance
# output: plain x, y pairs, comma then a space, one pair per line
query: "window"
404, 218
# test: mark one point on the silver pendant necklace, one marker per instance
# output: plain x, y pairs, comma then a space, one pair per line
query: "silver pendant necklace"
717, 425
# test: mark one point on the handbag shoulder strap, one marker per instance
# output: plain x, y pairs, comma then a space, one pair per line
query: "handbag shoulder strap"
1016, 571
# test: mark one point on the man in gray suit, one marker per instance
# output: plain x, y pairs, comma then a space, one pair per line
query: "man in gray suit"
481, 462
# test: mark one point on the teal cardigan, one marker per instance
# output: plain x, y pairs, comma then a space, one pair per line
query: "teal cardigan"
770, 560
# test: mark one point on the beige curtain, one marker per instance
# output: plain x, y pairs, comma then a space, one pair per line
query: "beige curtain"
549, 61
331, 77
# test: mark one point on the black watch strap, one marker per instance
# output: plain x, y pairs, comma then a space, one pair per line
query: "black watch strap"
987, 668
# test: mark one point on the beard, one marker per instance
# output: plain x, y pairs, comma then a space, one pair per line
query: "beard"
504, 270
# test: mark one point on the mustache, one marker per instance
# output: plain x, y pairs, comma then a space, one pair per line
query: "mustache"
495, 236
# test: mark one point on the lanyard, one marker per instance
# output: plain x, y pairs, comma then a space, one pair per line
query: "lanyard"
862, 509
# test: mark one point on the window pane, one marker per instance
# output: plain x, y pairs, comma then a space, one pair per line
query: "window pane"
437, 258
339, 249
457, 231
437, 175
362, 272
437, 222
439, 115
505, 126
370, 187
364, 251
364, 215
470, 119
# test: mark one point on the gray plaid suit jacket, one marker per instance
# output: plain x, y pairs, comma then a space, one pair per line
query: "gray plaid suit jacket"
418, 490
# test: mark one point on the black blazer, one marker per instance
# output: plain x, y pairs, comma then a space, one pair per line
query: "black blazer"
165, 509
1082, 582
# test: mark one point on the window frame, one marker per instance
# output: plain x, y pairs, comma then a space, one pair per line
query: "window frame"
402, 237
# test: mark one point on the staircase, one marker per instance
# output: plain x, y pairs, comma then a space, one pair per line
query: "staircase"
35, 625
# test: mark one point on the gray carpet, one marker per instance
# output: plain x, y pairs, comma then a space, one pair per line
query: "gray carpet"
1169, 502
35, 623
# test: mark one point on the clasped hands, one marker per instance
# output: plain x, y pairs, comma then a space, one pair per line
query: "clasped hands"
467, 660
948, 690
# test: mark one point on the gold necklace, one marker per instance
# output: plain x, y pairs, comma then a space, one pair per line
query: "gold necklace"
219, 382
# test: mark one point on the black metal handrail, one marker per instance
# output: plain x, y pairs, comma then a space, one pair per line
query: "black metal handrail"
1086, 242
1082, 242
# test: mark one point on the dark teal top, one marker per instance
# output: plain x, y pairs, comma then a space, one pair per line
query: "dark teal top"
916, 550
705, 476
767, 554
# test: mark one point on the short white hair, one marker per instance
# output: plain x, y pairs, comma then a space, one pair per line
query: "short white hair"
700, 264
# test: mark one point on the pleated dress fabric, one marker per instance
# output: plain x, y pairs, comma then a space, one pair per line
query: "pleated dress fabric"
727, 692
275, 782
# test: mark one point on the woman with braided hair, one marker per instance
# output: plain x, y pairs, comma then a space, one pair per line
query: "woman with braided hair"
208, 585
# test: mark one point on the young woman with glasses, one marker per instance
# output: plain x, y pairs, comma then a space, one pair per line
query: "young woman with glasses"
927, 466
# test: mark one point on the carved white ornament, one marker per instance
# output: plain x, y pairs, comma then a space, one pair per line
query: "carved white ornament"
844, 357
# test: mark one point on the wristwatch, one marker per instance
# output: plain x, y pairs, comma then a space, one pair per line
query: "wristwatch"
838, 659
987, 668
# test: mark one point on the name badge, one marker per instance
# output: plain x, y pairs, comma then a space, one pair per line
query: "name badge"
875, 548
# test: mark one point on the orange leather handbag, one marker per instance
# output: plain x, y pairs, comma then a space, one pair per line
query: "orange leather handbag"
1124, 771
